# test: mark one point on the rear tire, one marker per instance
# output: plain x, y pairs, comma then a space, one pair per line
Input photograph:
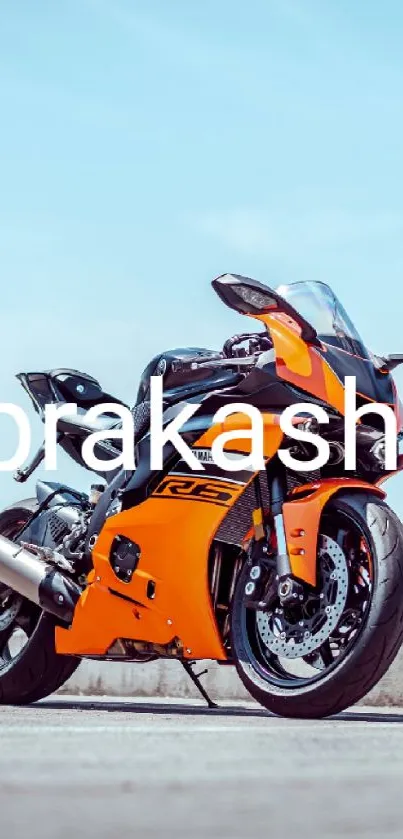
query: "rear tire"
37, 670
374, 646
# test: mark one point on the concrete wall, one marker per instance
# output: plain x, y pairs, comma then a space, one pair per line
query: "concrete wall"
168, 678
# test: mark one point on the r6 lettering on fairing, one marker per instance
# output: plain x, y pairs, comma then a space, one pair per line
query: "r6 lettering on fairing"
198, 490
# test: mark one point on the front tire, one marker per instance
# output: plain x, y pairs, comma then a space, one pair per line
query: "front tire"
36, 670
367, 655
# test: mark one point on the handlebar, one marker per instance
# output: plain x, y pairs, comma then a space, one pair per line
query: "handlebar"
258, 343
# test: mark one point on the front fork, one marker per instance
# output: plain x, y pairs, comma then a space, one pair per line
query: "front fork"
263, 560
277, 496
296, 520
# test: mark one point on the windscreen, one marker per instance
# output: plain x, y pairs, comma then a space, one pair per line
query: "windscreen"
318, 304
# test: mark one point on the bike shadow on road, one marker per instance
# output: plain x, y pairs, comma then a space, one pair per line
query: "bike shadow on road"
369, 716
194, 709
163, 708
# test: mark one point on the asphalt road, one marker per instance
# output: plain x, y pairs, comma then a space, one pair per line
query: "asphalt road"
122, 769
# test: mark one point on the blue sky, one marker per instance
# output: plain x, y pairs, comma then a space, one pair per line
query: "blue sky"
146, 147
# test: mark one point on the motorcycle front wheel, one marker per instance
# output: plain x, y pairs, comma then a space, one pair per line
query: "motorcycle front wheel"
321, 655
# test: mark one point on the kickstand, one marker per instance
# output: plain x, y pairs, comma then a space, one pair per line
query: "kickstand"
195, 677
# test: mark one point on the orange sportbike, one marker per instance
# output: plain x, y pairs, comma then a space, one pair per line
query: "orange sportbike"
279, 556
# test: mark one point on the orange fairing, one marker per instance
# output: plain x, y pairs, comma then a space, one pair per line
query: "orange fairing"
302, 521
301, 364
272, 434
175, 535
174, 529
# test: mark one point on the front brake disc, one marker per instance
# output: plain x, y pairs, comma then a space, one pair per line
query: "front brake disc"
288, 634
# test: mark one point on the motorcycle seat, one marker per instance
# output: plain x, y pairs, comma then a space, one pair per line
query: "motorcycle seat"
178, 385
81, 425
79, 422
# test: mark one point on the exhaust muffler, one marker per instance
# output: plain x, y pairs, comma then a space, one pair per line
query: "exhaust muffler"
22, 570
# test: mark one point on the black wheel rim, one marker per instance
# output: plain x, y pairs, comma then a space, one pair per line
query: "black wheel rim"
301, 671
18, 616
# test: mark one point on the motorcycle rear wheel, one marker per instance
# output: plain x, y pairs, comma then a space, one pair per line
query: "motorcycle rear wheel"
30, 667
344, 668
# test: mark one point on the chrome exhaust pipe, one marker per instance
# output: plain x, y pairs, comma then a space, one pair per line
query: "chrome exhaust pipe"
41, 583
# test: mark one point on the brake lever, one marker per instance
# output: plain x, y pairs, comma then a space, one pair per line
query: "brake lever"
237, 361
179, 366
244, 361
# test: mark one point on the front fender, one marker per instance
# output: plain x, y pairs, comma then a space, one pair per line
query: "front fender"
301, 515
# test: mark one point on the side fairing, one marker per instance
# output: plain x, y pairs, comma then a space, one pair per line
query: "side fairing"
168, 598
